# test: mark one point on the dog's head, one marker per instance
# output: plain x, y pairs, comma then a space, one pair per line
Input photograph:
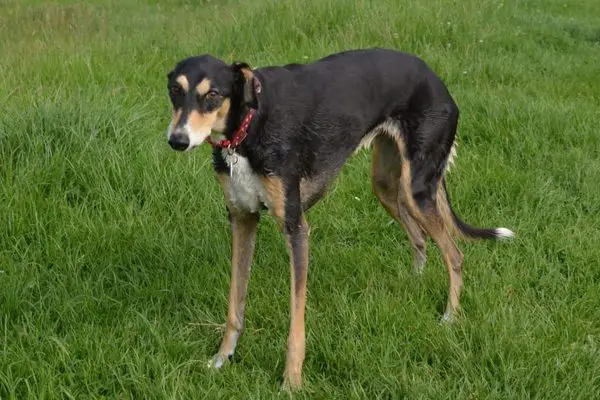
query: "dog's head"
204, 91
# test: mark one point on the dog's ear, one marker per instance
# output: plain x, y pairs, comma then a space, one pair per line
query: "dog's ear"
170, 76
247, 82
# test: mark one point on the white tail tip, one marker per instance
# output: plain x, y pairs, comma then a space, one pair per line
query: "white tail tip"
503, 233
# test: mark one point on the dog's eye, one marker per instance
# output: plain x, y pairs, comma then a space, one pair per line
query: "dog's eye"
212, 95
176, 94
211, 100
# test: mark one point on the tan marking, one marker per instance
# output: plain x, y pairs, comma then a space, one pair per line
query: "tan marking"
222, 114
276, 197
248, 74
223, 111
175, 118
446, 213
386, 175
183, 82
296, 339
250, 86
434, 224
201, 122
203, 87
213, 121
406, 180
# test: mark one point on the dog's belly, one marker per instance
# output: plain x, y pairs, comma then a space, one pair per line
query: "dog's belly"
245, 189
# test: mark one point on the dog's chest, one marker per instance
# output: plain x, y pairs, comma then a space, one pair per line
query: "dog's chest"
244, 188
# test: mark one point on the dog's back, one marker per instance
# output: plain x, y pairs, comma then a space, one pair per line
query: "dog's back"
320, 112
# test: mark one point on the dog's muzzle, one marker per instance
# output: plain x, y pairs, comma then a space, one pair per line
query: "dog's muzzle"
179, 141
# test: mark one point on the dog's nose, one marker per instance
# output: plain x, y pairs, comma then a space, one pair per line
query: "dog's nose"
179, 141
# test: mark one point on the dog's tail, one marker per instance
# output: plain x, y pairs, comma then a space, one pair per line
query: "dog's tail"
456, 225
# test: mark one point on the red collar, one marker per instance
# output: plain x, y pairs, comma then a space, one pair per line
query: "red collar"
238, 136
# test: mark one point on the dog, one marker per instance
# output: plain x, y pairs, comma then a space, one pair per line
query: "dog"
281, 134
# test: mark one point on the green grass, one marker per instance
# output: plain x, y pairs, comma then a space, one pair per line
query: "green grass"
114, 250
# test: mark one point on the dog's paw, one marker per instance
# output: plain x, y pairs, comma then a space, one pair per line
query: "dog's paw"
452, 317
447, 318
292, 382
218, 361
419, 269
289, 387
419, 261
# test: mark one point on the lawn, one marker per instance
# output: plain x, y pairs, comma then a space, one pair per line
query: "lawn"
114, 249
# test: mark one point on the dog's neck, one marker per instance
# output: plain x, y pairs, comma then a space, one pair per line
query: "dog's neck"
242, 104
241, 118
235, 138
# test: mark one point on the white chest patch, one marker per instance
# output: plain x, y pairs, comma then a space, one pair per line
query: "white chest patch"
245, 189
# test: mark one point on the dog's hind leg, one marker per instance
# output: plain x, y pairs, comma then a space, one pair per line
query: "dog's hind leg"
421, 177
385, 179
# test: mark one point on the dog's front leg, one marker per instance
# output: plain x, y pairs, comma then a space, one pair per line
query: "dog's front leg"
296, 230
285, 206
243, 239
